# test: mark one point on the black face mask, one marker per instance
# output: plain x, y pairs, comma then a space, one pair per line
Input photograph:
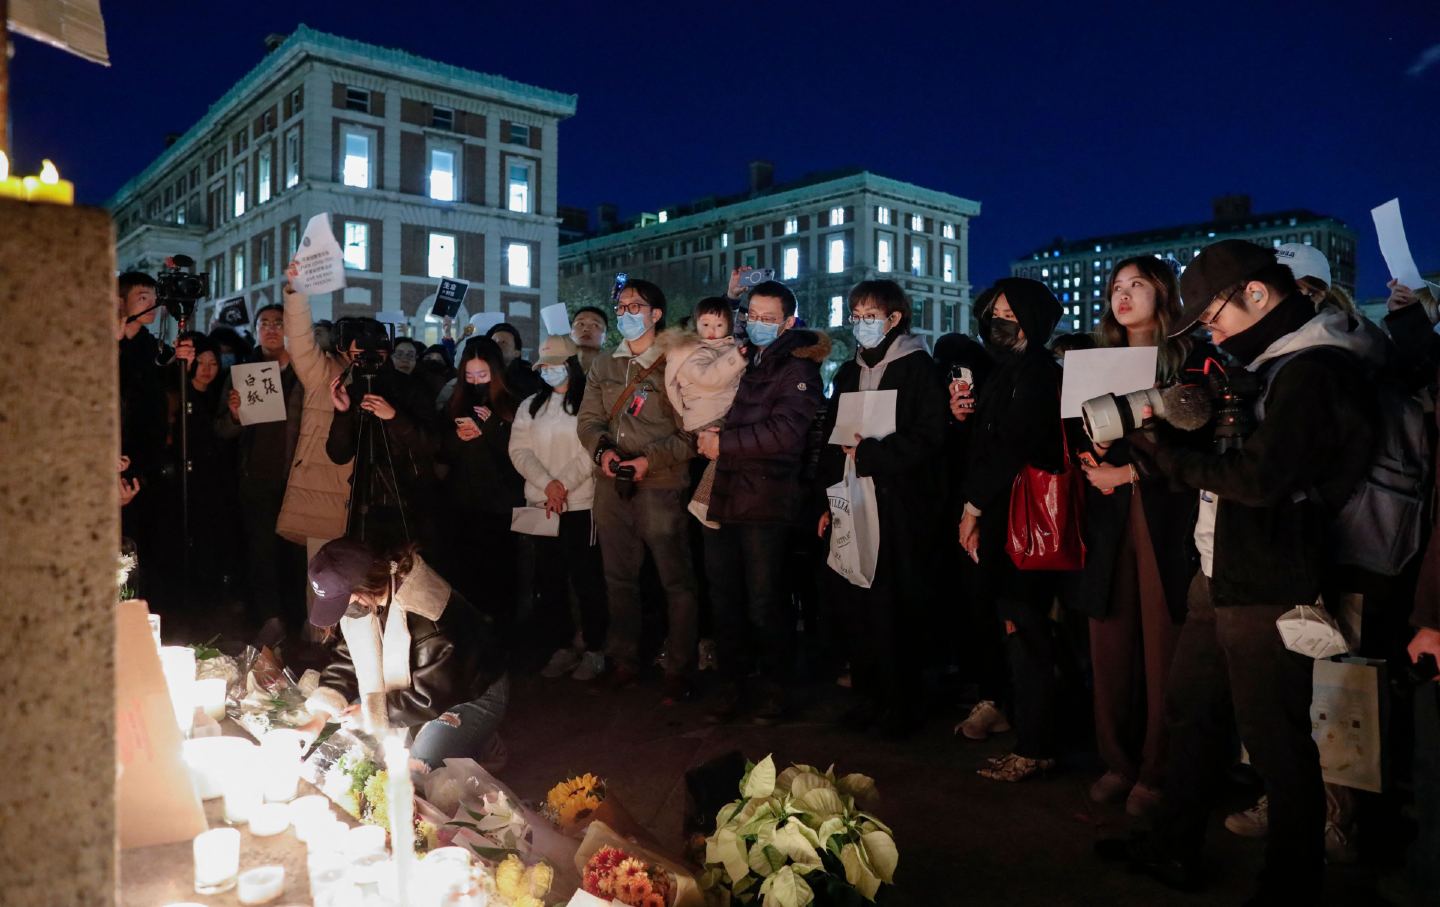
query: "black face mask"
1004, 335
477, 394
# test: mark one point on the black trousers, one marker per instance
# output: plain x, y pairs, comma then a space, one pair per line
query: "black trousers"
1232, 670
570, 564
750, 596
1033, 653
275, 568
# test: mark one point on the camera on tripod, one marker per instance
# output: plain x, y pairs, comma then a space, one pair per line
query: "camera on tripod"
178, 288
371, 342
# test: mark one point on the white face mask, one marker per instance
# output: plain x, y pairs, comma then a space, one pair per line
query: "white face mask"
554, 375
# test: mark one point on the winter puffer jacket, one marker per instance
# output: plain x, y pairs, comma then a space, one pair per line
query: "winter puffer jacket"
545, 447
700, 376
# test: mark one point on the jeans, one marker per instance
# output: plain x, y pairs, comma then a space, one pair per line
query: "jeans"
463, 731
1232, 669
654, 518
745, 567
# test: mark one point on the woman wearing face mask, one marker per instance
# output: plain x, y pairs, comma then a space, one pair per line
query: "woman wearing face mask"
559, 477
885, 620
1140, 553
1016, 423
480, 485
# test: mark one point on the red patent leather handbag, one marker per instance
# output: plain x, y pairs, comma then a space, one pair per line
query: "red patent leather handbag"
1044, 531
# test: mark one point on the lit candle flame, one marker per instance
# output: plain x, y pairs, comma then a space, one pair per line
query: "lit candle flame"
4, 166
48, 173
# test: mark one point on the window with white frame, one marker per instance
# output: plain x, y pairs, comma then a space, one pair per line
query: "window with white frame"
917, 223
518, 182
837, 216
725, 240
517, 264
947, 231
357, 246
884, 253
442, 174
240, 183
520, 134
792, 226
442, 255
835, 254
882, 215
947, 266
356, 167
267, 256
837, 311
917, 259
180, 212
442, 118
263, 162
238, 269
292, 158
290, 240
357, 99
790, 263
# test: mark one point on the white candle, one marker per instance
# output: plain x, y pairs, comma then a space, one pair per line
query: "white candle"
262, 885
402, 811
307, 813
178, 663
217, 860
212, 760
269, 819
364, 841
210, 696
243, 794
280, 752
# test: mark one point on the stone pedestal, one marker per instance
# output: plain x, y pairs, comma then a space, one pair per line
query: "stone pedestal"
59, 540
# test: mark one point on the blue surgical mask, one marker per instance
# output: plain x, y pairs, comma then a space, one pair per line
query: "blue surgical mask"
227, 360
869, 334
633, 325
761, 334
554, 375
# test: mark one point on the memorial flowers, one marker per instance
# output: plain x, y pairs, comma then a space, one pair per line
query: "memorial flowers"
573, 801
613, 873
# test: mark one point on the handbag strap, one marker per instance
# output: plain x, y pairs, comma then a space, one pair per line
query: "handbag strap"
630, 388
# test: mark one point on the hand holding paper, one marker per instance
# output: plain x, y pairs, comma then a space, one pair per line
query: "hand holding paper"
320, 264
866, 414
1093, 373
1390, 229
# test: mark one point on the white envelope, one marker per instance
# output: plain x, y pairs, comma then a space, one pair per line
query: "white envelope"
556, 319
534, 521
869, 414
321, 264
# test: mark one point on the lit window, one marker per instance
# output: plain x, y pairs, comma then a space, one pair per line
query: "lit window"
1274, 243
1307, 239
835, 255
517, 264
1097, 248
262, 176
1094, 294
837, 311
292, 158
239, 271
948, 267
1065, 283
917, 222
240, 190
1095, 278
180, 214
947, 231
356, 170
357, 246
267, 255
917, 260
882, 216
1065, 297
442, 255
837, 216
442, 175
663, 216
792, 226
884, 253
519, 188
1044, 272
725, 240
790, 269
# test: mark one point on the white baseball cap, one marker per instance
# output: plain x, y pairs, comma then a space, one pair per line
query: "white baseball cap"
1304, 261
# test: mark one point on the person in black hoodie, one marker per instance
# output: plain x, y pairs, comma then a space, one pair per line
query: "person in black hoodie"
1261, 535
905, 466
1017, 423
481, 485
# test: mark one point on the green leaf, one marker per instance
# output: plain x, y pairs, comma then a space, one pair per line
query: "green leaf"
857, 873
822, 802
786, 888
760, 780
792, 842
882, 853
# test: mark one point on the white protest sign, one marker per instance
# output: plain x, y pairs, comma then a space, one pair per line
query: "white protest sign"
262, 397
534, 521
484, 321
1094, 373
1391, 231
391, 318
869, 414
321, 264
556, 319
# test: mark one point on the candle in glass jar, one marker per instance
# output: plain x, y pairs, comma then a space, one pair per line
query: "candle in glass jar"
280, 752
244, 793
262, 885
269, 819
217, 860
210, 696
49, 187
178, 663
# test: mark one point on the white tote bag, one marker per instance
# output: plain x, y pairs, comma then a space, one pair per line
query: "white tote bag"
1347, 720
854, 527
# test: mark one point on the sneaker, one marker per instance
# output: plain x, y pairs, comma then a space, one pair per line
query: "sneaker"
561, 663
1111, 788
1251, 823
592, 665
675, 688
1015, 767
705, 660
1143, 801
1339, 848
985, 719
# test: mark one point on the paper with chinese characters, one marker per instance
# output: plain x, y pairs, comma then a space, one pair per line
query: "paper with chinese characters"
262, 396
322, 265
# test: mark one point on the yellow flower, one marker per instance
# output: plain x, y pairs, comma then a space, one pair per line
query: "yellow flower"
586, 786
576, 809
510, 877
539, 878
526, 900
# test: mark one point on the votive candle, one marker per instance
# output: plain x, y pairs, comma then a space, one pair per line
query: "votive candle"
269, 819
262, 885
217, 860
210, 696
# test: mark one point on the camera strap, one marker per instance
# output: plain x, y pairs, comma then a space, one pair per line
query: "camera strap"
625, 395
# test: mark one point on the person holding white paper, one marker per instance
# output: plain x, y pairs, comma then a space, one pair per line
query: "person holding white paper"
884, 621
559, 480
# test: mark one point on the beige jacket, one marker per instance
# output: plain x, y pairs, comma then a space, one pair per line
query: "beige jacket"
318, 493
701, 376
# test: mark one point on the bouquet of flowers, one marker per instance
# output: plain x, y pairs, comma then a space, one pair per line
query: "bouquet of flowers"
798, 838
358, 785
613, 873
572, 802
270, 697
499, 825
522, 886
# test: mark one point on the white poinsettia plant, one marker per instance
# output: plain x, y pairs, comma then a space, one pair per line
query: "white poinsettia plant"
797, 839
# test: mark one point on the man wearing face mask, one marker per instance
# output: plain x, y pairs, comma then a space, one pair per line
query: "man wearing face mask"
756, 499
1261, 534
630, 430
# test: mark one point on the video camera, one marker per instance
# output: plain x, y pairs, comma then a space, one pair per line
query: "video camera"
1218, 396
372, 339
178, 288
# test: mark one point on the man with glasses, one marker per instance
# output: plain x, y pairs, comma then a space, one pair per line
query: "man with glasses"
641, 456
757, 498
1261, 540
275, 567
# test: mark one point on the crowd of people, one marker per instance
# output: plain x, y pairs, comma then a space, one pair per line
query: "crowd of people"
687, 470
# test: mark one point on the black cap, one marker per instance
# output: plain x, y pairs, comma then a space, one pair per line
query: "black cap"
335, 570
1218, 267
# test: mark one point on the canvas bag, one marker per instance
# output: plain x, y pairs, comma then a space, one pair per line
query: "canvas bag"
854, 527
1347, 720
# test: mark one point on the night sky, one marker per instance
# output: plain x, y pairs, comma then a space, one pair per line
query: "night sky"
1060, 121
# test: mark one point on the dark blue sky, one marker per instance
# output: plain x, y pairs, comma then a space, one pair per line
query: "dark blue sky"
1062, 119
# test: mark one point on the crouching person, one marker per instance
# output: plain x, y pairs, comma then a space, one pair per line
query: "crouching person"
413, 654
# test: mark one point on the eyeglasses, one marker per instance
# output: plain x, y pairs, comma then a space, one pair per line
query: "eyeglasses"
632, 308
868, 319
270, 325
1209, 322
762, 319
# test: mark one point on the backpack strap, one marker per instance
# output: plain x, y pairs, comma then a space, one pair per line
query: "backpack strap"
630, 388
